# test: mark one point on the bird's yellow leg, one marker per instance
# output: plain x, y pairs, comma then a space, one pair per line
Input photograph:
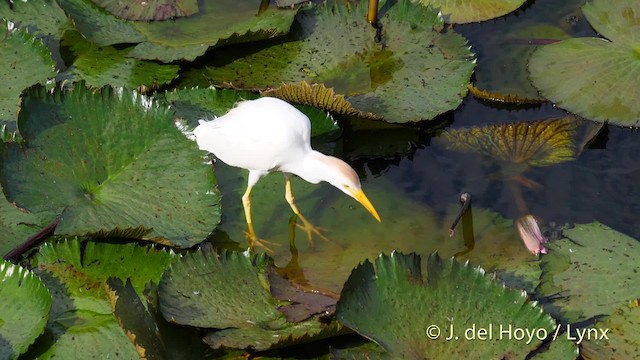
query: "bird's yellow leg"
251, 234
307, 226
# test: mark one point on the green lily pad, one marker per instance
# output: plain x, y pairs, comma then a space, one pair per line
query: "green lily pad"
411, 308
590, 76
246, 313
44, 16
25, 61
591, 271
109, 66
149, 10
18, 225
24, 309
112, 163
467, 11
614, 337
220, 23
82, 311
415, 72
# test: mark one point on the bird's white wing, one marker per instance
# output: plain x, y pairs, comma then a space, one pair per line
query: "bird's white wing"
259, 135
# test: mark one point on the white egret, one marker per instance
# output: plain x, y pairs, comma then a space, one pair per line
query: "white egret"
269, 134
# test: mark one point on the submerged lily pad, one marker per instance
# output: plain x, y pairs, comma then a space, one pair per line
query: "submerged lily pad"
149, 9
537, 143
112, 163
110, 66
591, 273
24, 61
24, 309
415, 72
591, 76
420, 310
614, 337
219, 23
467, 11
196, 291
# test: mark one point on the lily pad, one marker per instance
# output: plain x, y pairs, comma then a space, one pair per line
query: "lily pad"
614, 337
112, 163
439, 309
246, 313
591, 76
100, 66
82, 312
537, 143
44, 16
592, 274
24, 309
17, 224
25, 61
415, 72
153, 10
219, 23
467, 11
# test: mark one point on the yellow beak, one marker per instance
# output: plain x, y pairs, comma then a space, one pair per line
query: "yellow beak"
362, 199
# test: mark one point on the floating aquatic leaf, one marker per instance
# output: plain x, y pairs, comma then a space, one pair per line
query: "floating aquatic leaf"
581, 271
112, 163
315, 95
45, 17
415, 72
467, 11
147, 10
24, 61
109, 66
219, 23
593, 77
82, 312
509, 99
614, 337
421, 310
24, 309
17, 224
196, 292
537, 143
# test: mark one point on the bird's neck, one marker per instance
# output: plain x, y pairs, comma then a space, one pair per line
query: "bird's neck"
312, 167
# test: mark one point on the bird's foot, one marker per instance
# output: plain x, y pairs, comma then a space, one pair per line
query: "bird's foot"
311, 230
254, 242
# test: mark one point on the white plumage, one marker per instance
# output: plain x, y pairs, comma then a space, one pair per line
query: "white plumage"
269, 134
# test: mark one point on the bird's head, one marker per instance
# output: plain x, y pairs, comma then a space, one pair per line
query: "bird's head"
339, 174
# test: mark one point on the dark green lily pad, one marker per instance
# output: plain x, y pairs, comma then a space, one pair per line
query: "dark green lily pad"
45, 16
18, 225
415, 73
219, 23
196, 292
411, 307
109, 66
467, 11
82, 312
614, 337
590, 76
24, 309
581, 273
113, 164
154, 10
25, 61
